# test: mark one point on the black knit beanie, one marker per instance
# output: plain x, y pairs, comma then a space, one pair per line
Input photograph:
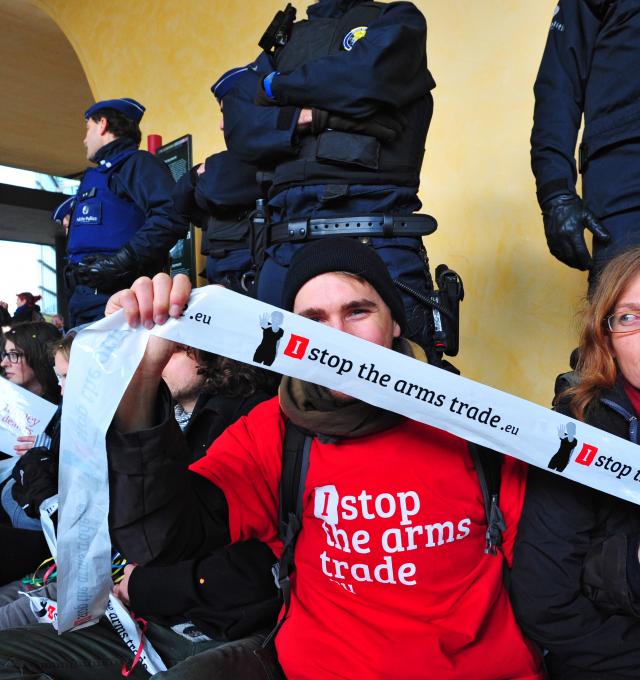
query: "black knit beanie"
341, 254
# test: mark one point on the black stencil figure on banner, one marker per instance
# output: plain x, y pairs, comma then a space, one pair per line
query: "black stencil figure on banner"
568, 441
42, 603
272, 332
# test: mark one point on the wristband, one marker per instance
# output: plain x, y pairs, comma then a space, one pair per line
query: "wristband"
266, 83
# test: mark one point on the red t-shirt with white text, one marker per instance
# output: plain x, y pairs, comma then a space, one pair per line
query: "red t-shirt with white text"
391, 577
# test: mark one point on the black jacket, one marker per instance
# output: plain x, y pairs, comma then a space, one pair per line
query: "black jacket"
588, 69
35, 473
384, 72
212, 415
23, 314
565, 528
219, 201
227, 592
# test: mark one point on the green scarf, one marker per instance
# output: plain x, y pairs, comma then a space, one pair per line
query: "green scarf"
315, 409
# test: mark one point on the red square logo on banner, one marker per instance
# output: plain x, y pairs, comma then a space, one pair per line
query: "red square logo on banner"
297, 346
587, 454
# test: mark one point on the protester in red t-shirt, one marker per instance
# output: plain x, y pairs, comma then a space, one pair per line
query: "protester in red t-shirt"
391, 577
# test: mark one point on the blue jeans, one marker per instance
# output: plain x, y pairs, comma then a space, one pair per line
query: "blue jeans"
19, 518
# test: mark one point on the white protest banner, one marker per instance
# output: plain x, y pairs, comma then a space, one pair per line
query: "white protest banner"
103, 359
43, 609
21, 413
220, 321
47, 508
133, 638
46, 610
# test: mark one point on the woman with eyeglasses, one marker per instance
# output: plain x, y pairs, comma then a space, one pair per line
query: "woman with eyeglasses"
26, 361
35, 475
576, 573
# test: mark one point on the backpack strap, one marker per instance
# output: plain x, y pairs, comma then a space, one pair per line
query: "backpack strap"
488, 464
296, 452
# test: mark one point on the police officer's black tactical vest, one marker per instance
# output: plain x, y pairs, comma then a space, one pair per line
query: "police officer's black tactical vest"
335, 157
223, 235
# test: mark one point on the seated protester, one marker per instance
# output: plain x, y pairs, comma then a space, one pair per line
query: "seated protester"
227, 594
34, 479
226, 390
35, 475
219, 196
576, 577
357, 609
27, 310
26, 362
58, 321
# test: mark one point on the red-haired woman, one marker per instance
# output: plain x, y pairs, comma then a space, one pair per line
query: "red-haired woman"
27, 309
576, 573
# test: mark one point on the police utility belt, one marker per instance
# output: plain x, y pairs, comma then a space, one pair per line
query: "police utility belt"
73, 276
365, 225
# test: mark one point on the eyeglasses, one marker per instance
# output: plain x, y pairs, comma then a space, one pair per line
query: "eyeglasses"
624, 322
13, 356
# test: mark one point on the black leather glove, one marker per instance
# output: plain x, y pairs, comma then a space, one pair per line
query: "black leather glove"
110, 273
36, 479
565, 219
382, 126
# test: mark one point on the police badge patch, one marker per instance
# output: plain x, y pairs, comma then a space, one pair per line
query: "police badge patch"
353, 36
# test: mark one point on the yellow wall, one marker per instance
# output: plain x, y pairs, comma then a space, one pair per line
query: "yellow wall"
518, 316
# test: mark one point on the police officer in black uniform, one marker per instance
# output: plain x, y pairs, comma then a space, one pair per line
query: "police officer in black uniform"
338, 107
219, 196
123, 222
589, 67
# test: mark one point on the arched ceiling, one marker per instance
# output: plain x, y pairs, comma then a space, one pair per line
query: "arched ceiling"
44, 92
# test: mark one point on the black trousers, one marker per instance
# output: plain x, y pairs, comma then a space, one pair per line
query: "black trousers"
36, 652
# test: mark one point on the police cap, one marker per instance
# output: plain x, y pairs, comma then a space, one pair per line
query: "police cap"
227, 81
63, 209
129, 108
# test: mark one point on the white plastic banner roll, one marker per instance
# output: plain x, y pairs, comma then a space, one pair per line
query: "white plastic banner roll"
46, 610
